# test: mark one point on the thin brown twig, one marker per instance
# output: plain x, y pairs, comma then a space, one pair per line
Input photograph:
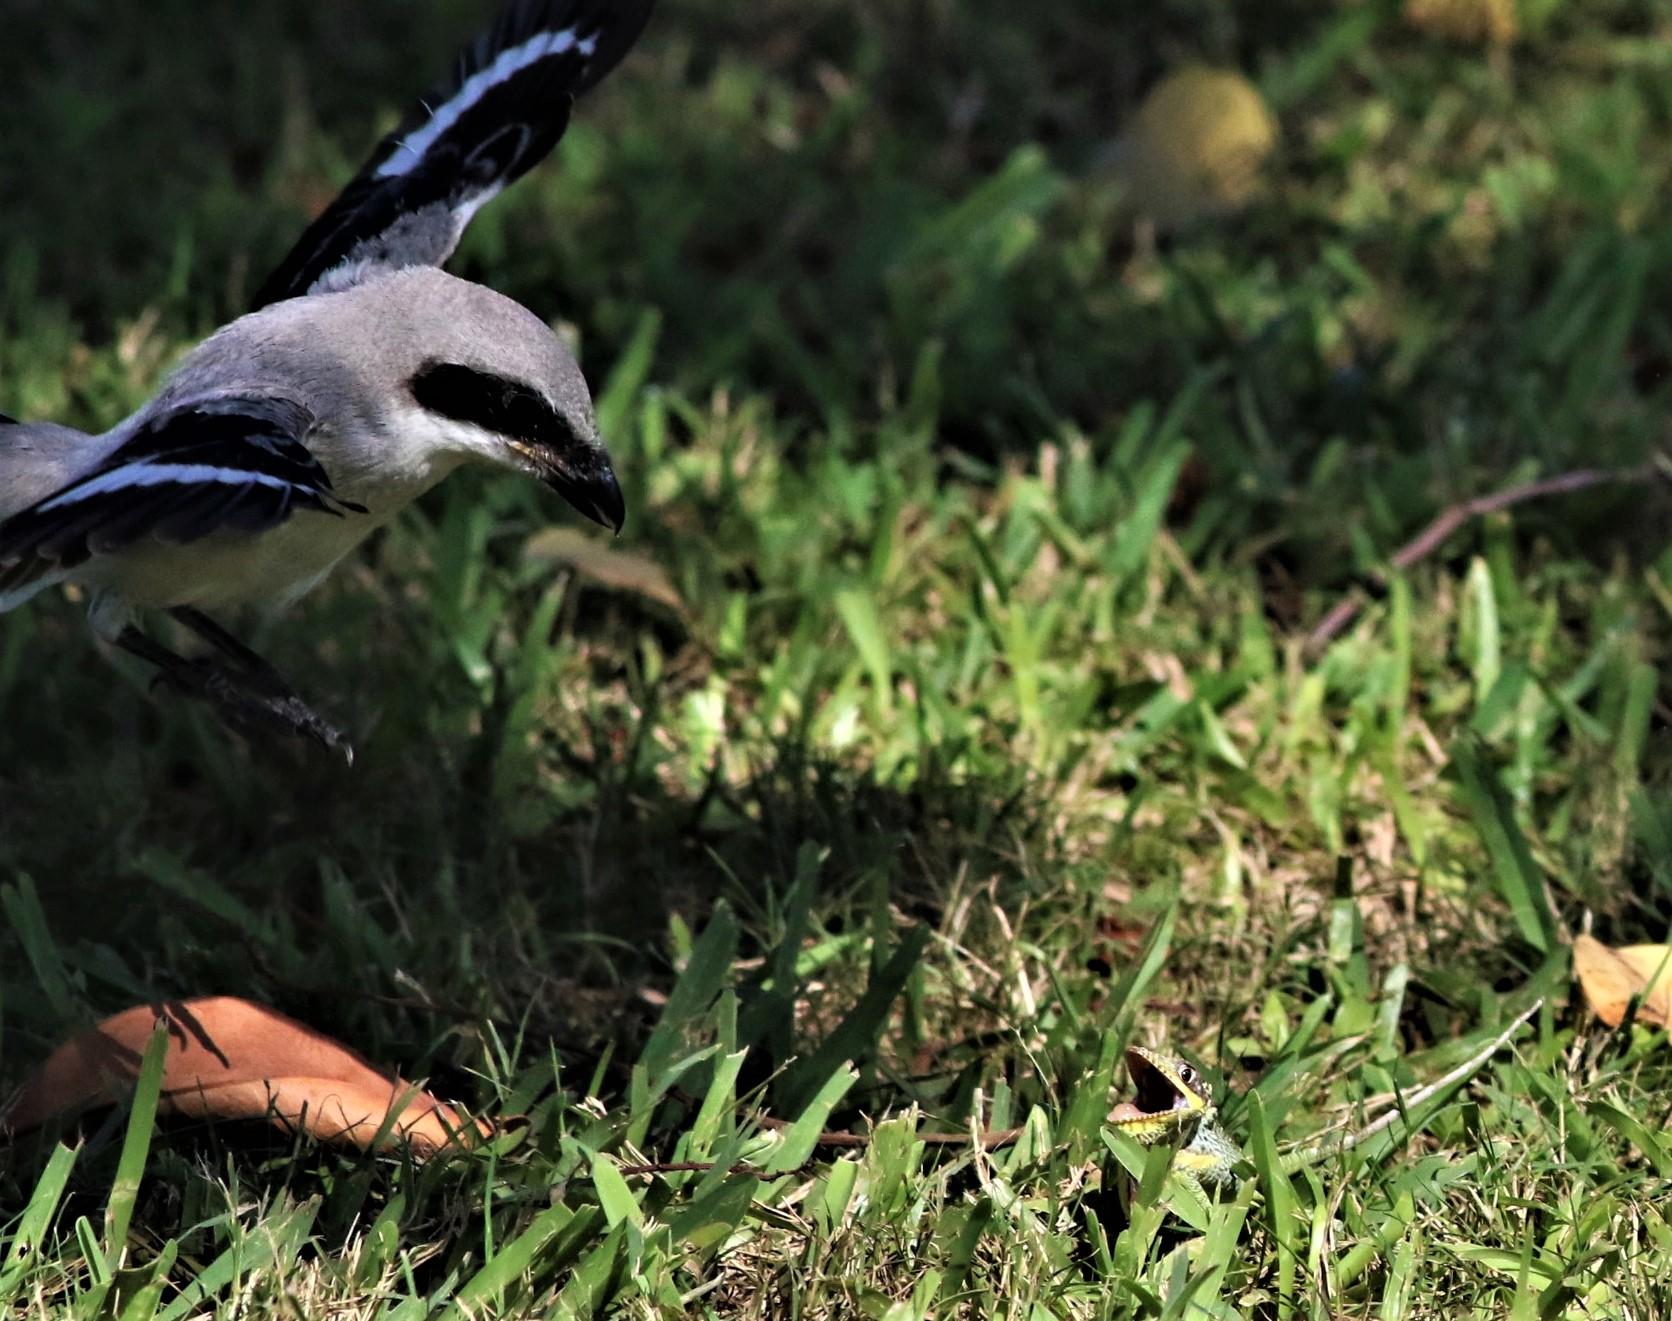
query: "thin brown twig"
1432, 537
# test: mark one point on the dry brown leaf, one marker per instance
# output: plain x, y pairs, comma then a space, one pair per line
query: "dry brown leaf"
230, 1059
1610, 977
619, 570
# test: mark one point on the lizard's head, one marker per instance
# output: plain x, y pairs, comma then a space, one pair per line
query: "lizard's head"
1169, 1098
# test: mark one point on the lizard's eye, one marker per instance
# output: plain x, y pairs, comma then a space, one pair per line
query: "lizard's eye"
1187, 1074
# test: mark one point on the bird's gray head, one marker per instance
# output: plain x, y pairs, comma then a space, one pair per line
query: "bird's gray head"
495, 377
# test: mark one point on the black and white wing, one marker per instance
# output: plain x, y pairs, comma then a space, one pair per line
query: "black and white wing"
226, 463
504, 108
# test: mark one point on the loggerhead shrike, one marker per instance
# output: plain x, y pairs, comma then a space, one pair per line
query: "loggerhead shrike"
366, 375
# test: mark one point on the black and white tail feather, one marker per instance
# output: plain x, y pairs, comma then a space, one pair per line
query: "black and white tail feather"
501, 112
222, 464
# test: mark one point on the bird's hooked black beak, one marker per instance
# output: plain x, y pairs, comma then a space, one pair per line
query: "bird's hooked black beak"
587, 482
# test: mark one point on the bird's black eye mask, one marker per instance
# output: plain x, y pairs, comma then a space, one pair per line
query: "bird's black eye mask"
495, 403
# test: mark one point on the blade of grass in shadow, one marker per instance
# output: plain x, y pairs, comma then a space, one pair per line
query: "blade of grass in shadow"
1397, 1290
142, 1305
1291, 1059
1392, 1229
614, 1196
627, 378
23, 909
1517, 874
596, 1277
1635, 1132
860, 1029
858, 611
1221, 1251
1130, 549
706, 973
1132, 985
1635, 720
516, 1257
1090, 1101
767, 1009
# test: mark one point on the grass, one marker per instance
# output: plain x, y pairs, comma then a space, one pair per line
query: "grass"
944, 719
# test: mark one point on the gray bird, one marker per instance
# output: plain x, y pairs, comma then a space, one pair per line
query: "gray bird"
363, 378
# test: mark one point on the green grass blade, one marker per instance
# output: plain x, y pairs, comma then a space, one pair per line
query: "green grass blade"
1393, 1228
28, 922
802, 1137
859, 1028
142, 1305
706, 974
1281, 1218
1519, 879
25, 1241
614, 1196
130, 1165
628, 378
517, 1257
860, 616
272, 1243
1146, 967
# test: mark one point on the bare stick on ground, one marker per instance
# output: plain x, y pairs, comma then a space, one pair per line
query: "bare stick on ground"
1435, 535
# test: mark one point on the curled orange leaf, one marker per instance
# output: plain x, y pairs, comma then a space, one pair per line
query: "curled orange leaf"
230, 1059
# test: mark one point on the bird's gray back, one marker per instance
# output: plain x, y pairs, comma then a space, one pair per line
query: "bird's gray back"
351, 354
380, 332
347, 357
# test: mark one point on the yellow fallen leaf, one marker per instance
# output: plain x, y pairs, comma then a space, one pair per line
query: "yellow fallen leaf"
1611, 977
230, 1059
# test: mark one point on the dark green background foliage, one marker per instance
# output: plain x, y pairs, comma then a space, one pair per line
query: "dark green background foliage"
995, 521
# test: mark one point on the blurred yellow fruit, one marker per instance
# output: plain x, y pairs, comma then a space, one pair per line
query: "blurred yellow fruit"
1196, 145
1464, 20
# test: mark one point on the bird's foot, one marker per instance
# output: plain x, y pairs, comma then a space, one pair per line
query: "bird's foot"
254, 705
248, 694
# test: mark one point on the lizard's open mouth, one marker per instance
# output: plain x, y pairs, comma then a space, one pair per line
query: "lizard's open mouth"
1157, 1094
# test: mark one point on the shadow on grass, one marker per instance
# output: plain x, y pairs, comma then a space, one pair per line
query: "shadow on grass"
402, 904
386, 905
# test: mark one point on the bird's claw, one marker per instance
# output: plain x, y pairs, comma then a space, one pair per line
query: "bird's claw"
253, 703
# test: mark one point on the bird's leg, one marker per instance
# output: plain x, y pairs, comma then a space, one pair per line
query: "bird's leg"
249, 694
269, 689
251, 664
